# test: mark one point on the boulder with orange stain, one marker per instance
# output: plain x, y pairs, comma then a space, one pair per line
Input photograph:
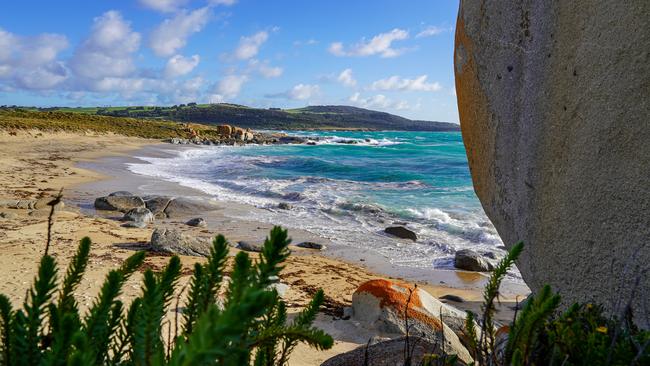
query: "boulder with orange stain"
389, 306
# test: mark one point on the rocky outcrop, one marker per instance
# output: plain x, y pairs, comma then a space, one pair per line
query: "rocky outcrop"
401, 232
118, 203
385, 305
177, 242
553, 103
470, 260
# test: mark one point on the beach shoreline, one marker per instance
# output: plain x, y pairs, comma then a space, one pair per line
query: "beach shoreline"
89, 166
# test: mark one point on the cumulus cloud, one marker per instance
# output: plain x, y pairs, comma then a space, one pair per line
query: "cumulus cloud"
179, 65
378, 101
230, 86
431, 30
298, 92
264, 69
380, 44
346, 78
397, 83
171, 35
107, 52
30, 62
250, 46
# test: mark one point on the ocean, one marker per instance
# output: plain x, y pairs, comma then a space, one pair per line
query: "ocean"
348, 187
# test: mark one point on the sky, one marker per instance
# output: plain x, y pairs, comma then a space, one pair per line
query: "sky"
389, 55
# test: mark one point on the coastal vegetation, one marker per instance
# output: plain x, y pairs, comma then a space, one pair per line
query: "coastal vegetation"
248, 324
81, 123
312, 117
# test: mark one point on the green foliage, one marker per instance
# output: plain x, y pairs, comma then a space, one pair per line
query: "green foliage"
249, 325
582, 335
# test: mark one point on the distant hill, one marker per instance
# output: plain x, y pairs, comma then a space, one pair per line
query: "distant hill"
313, 117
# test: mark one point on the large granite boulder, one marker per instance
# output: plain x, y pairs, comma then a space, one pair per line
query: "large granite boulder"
178, 242
554, 110
470, 260
384, 305
118, 203
183, 207
138, 214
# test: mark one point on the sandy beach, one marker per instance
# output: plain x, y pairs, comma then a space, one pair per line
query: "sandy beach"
36, 165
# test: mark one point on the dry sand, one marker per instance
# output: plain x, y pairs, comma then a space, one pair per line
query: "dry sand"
35, 164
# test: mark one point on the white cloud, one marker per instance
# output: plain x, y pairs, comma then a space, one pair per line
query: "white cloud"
164, 6
107, 52
216, 98
380, 44
303, 91
264, 69
378, 101
250, 46
171, 35
346, 78
179, 65
230, 86
30, 62
431, 30
396, 83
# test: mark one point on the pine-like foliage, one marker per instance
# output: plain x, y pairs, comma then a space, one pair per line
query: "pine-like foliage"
248, 325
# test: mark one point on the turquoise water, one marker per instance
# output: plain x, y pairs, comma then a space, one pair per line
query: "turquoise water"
348, 187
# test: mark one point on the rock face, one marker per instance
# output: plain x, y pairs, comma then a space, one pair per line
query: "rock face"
387, 353
383, 304
469, 260
118, 203
553, 103
175, 241
401, 232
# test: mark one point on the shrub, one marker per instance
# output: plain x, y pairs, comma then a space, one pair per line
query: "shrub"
250, 324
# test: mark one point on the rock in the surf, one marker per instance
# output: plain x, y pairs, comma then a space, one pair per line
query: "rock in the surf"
401, 232
385, 304
118, 203
553, 104
284, 206
177, 242
197, 222
470, 260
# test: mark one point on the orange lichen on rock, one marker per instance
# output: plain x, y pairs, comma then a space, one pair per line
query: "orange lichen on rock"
478, 134
395, 296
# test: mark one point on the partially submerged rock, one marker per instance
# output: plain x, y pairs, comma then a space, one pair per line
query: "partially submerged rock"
118, 203
385, 305
470, 260
401, 232
178, 242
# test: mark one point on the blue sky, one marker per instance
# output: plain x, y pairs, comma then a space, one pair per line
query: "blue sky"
389, 55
